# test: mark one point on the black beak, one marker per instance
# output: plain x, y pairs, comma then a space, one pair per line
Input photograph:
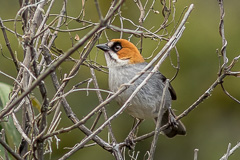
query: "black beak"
103, 47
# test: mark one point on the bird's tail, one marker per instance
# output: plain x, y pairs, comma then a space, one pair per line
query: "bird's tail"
175, 127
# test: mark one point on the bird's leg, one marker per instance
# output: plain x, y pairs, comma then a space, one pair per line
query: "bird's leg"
132, 134
136, 123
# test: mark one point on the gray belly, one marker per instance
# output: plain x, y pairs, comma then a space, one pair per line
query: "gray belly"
147, 101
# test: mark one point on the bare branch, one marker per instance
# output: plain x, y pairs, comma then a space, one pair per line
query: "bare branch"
8, 45
230, 151
221, 31
10, 150
196, 154
158, 124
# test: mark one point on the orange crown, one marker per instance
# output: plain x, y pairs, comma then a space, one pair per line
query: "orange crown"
128, 51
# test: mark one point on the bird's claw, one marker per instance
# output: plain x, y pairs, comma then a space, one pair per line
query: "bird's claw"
172, 121
129, 141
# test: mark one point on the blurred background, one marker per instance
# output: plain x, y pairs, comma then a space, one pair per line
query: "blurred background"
210, 127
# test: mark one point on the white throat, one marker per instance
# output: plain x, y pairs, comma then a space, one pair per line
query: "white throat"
113, 60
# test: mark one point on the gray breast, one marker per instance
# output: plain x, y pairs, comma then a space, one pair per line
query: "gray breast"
147, 101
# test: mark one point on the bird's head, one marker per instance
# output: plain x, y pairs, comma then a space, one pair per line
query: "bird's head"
120, 52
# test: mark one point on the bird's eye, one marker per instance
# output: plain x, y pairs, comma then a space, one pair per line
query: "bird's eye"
117, 47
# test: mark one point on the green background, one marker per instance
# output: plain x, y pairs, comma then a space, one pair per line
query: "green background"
210, 127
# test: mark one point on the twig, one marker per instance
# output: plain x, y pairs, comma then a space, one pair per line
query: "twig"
71, 114
73, 30
75, 69
98, 10
230, 151
125, 30
43, 22
103, 109
54, 36
227, 93
8, 45
59, 61
44, 107
17, 125
10, 78
158, 123
205, 95
4, 139
10, 150
141, 20
178, 64
221, 32
27, 70
195, 154
80, 89
224, 67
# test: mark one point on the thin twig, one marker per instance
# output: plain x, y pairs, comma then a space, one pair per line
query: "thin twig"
103, 109
222, 34
4, 139
57, 63
158, 123
19, 128
8, 45
230, 151
10, 150
71, 114
195, 154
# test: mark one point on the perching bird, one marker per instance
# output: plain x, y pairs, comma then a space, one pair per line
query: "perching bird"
124, 62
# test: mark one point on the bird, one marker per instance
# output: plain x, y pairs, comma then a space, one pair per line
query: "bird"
124, 61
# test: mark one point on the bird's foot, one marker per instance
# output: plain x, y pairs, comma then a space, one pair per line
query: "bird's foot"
172, 121
130, 141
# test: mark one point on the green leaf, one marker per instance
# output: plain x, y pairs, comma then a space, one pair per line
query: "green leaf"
5, 89
13, 137
35, 103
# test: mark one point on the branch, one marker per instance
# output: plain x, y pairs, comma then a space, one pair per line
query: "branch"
8, 45
158, 123
58, 62
205, 95
221, 32
230, 151
10, 150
